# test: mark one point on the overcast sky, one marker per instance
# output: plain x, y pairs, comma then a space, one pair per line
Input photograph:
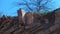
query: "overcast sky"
8, 7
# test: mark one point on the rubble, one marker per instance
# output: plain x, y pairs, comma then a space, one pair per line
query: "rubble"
39, 24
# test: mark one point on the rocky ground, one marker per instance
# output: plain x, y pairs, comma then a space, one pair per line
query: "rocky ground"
45, 24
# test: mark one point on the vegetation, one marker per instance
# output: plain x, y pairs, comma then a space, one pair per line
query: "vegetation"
37, 5
44, 13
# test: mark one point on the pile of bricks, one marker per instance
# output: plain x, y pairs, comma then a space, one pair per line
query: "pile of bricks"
42, 24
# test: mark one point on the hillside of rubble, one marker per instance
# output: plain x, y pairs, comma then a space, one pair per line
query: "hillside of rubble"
42, 24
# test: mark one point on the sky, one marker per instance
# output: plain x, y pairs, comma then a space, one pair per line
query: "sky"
9, 7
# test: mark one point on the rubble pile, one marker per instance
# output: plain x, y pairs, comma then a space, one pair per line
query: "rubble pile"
42, 24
